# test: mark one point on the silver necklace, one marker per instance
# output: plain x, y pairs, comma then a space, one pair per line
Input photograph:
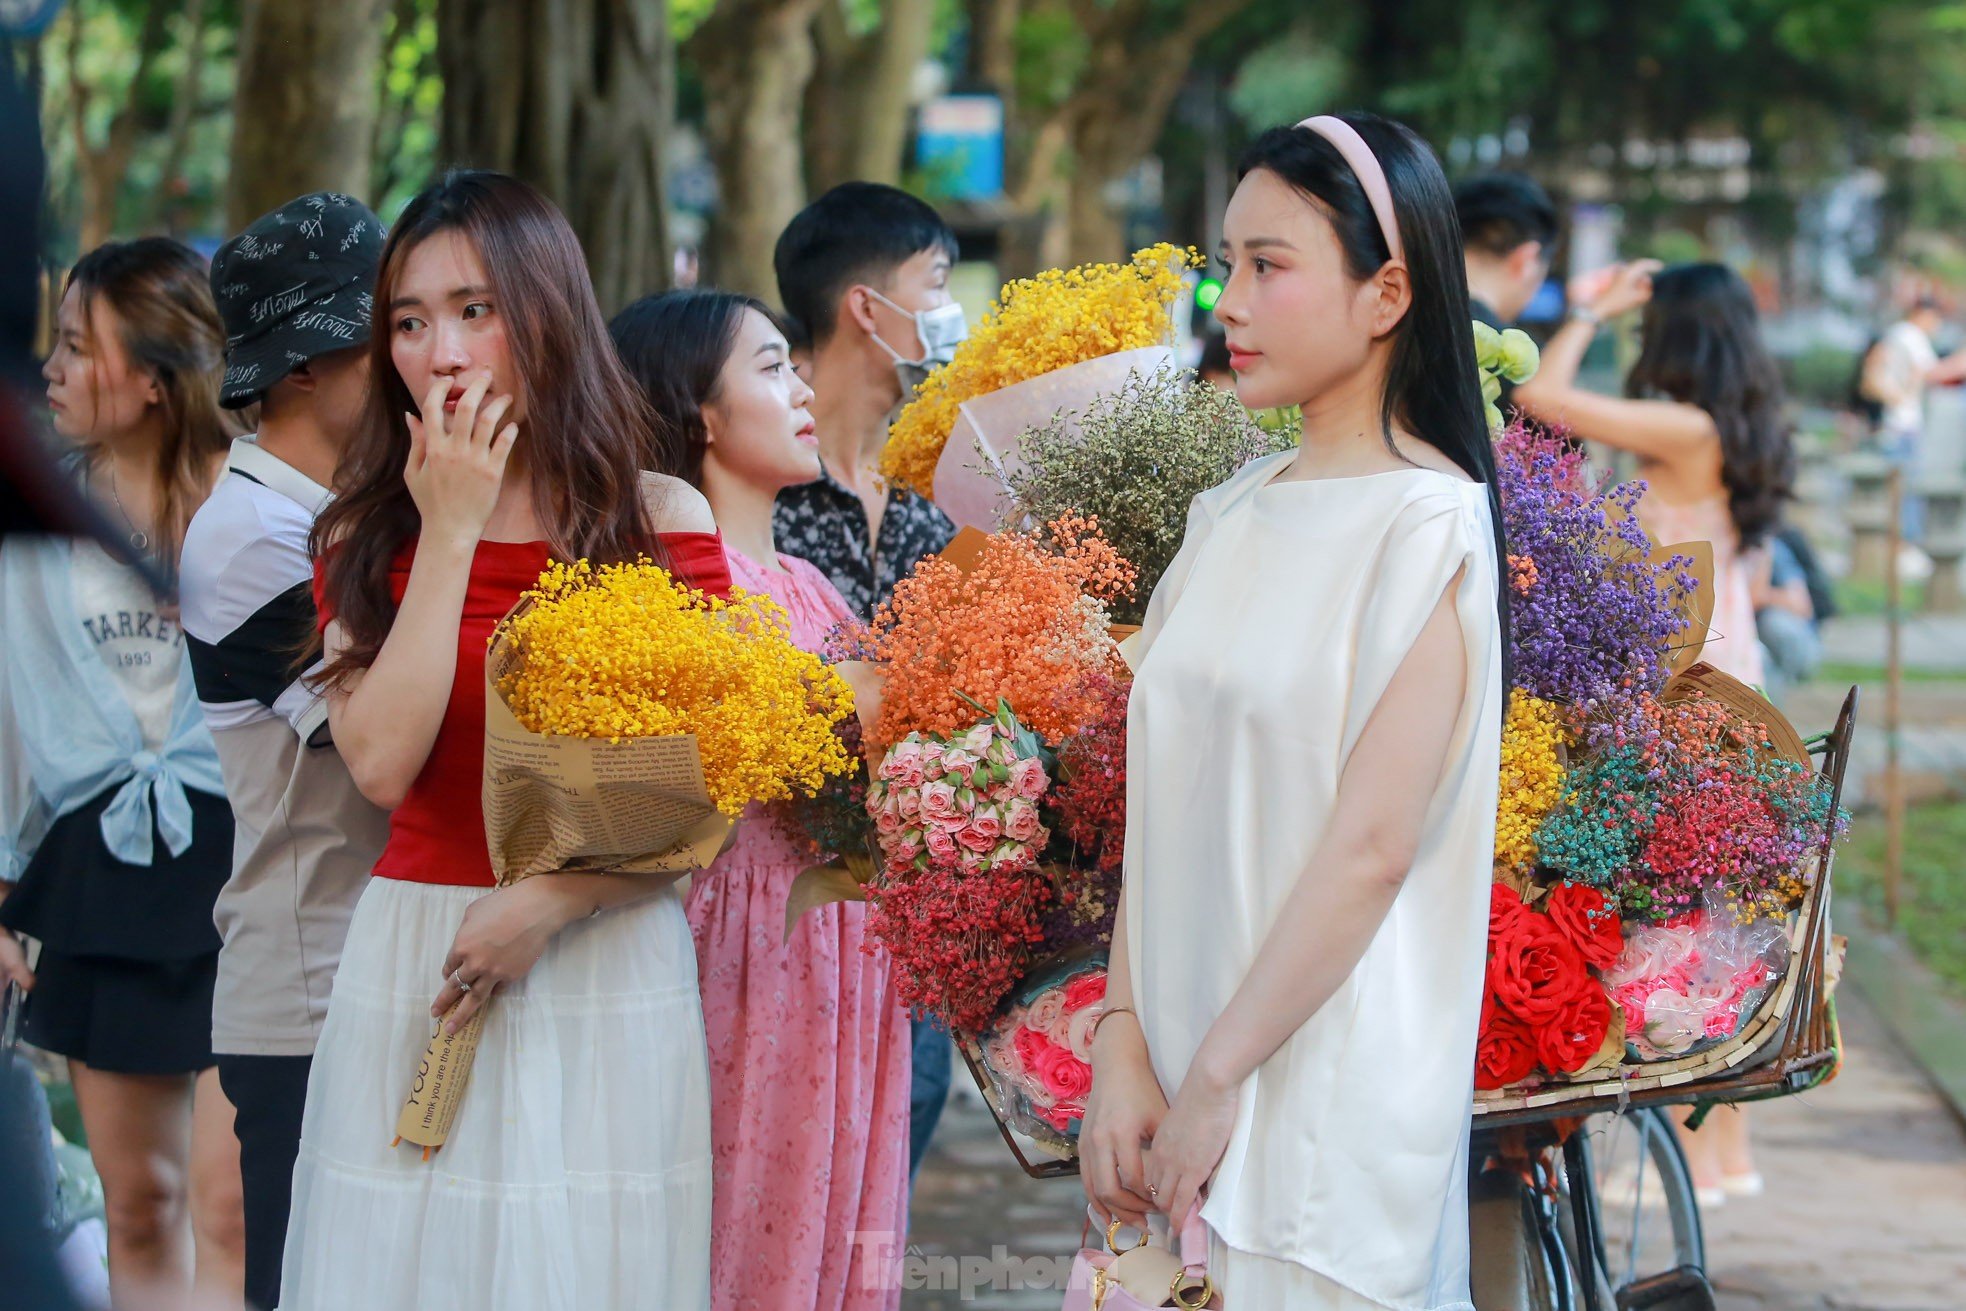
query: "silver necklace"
139, 539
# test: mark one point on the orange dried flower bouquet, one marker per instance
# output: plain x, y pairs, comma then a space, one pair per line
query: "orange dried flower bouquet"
1026, 623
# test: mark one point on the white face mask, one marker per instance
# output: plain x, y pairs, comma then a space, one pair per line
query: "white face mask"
941, 330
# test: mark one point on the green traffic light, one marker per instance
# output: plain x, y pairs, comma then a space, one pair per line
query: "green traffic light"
1207, 292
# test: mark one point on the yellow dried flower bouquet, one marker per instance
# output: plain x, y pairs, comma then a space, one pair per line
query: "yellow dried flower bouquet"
679, 706
1060, 318
628, 720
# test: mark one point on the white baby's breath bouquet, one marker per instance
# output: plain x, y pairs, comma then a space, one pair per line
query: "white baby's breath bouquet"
1133, 459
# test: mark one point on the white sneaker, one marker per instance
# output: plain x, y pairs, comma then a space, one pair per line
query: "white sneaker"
1710, 1199
1750, 1184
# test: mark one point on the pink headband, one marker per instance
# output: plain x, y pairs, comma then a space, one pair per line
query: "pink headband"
1365, 165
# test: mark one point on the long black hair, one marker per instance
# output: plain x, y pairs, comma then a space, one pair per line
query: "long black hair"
676, 345
1432, 387
1700, 344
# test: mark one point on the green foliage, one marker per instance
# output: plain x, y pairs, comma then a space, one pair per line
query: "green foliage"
1296, 75
685, 16
1932, 913
1867, 596
1821, 375
1051, 52
190, 200
1816, 86
410, 95
1676, 246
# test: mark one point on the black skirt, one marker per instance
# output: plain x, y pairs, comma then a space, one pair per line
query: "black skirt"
128, 952
79, 900
123, 1016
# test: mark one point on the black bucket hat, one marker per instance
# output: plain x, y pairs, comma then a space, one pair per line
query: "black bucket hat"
295, 284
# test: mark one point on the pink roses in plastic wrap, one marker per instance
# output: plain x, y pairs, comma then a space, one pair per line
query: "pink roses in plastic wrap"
1040, 1054
1693, 981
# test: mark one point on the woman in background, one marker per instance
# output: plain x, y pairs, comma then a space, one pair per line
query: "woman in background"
809, 1047
1703, 412
115, 835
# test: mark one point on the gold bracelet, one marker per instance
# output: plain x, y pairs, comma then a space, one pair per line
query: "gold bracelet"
1108, 1014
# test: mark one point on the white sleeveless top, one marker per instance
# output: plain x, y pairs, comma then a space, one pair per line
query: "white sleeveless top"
1265, 649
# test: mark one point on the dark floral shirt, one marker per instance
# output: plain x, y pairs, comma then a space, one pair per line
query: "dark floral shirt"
824, 522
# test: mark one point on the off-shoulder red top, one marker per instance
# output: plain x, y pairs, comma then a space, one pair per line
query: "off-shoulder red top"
438, 834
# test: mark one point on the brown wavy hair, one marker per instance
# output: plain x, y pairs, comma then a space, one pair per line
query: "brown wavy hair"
587, 432
170, 329
1701, 344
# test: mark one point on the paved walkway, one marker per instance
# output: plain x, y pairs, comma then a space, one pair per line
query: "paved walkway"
1866, 1209
1932, 643
1931, 739
1866, 1202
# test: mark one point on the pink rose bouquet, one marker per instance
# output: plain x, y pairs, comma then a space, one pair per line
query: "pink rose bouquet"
1693, 981
1039, 1053
971, 799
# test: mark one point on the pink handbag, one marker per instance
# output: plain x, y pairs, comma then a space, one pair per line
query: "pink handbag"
1144, 1276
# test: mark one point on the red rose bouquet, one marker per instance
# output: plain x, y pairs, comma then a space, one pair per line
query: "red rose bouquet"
1544, 1008
1636, 788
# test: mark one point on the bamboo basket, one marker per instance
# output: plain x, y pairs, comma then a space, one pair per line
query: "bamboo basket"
1788, 1046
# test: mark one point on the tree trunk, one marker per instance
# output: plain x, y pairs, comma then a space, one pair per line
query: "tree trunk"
575, 97
993, 46
1115, 117
887, 85
102, 170
305, 105
1094, 230
834, 99
171, 186
857, 101
1110, 134
755, 57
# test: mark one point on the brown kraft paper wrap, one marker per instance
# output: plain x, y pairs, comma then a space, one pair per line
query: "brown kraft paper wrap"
575, 804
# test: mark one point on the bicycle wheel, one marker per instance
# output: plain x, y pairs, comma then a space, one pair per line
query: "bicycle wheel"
1515, 1251
1646, 1216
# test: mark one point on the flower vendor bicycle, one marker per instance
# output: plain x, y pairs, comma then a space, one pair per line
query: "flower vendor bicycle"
1628, 1237
1593, 1207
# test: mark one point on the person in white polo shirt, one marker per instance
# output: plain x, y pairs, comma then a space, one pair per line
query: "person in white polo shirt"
294, 292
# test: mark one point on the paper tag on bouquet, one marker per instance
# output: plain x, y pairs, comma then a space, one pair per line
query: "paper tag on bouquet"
438, 1088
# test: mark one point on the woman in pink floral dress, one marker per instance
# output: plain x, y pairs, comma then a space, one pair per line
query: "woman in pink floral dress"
808, 1044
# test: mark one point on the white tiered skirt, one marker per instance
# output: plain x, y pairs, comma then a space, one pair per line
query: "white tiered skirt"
577, 1175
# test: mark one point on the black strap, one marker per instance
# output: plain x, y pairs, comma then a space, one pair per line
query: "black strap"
12, 1002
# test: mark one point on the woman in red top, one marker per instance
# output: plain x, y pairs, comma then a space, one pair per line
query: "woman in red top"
577, 1175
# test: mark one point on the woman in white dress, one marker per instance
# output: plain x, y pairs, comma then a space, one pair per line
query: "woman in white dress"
1314, 739
502, 431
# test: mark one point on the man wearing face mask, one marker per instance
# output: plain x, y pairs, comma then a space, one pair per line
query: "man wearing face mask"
864, 274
